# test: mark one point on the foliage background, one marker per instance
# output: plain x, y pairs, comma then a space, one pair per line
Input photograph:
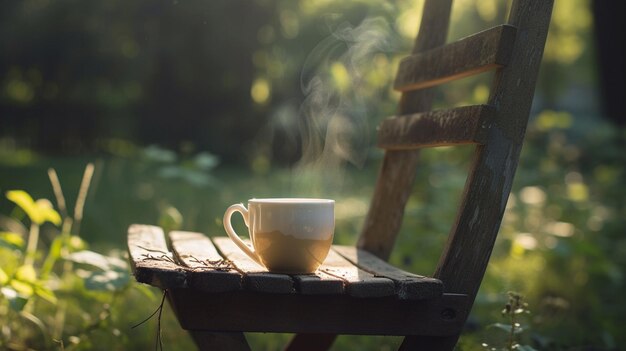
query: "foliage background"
188, 107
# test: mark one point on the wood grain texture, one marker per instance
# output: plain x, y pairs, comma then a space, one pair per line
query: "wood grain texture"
319, 283
386, 210
296, 313
408, 286
461, 125
471, 55
398, 168
255, 277
208, 271
358, 283
335, 276
151, 261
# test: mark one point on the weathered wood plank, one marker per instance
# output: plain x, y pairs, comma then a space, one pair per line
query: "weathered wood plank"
152, 262
359, 283
461, 125
255, 277
209, 271
471, 55
393, 187
397, 172
408, 286
335, 276
319, 283
249, 311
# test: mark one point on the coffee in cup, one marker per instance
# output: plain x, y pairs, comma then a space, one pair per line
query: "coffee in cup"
288, 235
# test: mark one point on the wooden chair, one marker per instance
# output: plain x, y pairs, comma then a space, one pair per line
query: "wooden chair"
355, 291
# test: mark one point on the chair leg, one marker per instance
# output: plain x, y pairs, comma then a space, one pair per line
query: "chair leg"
428, 343
311, 342
219, 341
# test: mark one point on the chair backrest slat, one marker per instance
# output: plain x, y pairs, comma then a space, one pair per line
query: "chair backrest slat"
471, 55
461, 125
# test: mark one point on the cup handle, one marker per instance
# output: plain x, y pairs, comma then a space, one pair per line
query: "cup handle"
231, 232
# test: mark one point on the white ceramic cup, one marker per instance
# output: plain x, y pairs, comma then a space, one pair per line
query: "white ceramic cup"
289, 235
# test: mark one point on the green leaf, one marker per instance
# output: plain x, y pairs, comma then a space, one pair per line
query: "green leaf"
4, 277
16, 300
89, 258
56, 246
24, 289
11, 240
107, 273
206, 161
46, 294
47, 212
157, 154
39, 211
26, 203
104, 280
73, 243
96, 260
76, 243
26, 274
54, 253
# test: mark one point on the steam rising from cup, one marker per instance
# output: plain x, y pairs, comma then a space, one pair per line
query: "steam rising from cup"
332, 122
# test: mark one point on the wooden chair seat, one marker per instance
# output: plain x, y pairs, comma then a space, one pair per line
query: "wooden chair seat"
211, 276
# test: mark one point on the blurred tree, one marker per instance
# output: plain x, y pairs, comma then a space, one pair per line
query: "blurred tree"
230, 77
166, 72
610, 37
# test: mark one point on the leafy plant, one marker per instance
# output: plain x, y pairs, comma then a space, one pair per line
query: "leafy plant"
37, 283
512, 311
